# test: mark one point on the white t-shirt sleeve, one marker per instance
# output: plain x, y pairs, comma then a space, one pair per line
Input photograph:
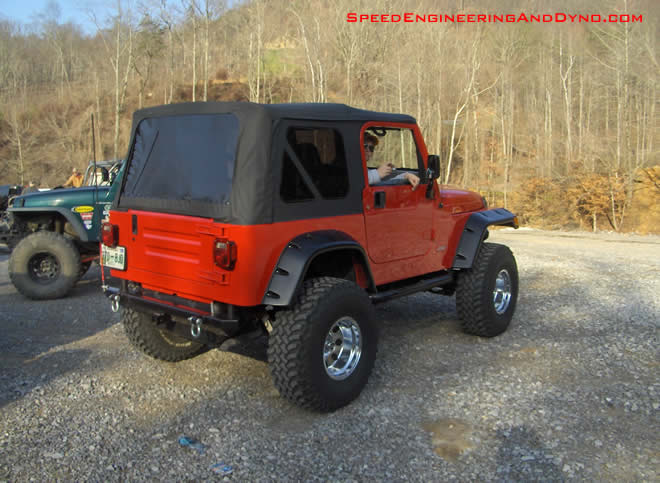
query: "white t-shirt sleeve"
374, 177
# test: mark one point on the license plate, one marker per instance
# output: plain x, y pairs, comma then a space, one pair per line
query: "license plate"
113, 257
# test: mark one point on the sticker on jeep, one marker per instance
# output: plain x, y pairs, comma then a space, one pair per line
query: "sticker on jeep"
87, 219
106, 212
82, 209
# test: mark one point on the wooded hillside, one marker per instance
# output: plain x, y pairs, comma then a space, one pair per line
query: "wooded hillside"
557, 121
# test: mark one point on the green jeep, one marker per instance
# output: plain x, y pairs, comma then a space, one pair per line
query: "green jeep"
54, 234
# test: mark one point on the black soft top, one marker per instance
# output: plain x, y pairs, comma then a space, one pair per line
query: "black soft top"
307, 111
169, 168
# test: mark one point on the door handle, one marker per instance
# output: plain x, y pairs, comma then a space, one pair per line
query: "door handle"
379, 199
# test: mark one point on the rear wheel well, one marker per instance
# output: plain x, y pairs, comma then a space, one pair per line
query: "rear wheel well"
346, 264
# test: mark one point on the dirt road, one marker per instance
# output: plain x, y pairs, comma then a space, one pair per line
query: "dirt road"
571, 391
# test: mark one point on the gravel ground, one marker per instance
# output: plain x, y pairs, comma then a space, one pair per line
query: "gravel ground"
569, 392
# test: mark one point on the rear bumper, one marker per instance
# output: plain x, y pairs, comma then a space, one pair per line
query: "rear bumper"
212, 328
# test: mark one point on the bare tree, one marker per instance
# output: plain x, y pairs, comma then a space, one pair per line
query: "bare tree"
148, 50
167, 16
192, 12
255, 48
48, 20
566, 62
471, 70
210, 11
118, 42
311, 42
20, 127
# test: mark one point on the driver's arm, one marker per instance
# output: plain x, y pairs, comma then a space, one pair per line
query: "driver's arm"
373, 175
413, 179
375, 178
376, 175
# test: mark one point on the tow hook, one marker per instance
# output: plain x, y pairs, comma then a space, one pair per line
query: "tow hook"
195, 326
114, 303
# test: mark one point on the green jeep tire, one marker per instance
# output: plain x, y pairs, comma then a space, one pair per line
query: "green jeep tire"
44, 265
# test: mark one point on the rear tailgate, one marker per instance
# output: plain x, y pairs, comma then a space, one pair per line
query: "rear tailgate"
170, 253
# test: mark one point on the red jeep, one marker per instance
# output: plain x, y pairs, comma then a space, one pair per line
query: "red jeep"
235, 219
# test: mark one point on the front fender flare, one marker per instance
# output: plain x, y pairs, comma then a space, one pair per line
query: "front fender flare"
474, 233
296, 258
66, 213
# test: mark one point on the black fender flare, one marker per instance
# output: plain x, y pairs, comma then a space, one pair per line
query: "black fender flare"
474, 233
66, 213
289, 273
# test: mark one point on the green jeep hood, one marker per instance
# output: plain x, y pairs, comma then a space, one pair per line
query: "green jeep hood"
61, 198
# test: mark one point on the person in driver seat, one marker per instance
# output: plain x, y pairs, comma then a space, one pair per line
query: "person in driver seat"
376, 175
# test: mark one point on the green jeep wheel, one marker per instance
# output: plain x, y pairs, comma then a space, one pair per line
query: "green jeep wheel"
44, 265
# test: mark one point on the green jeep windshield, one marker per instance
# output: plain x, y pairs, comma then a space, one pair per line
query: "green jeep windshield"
183, 158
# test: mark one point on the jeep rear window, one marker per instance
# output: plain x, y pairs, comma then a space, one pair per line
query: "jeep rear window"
189, 157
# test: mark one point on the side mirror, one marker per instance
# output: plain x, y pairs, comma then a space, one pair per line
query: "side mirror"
433, 171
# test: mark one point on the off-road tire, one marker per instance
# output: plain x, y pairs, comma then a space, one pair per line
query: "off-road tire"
43, 245
158, 343
475, 291
296, 344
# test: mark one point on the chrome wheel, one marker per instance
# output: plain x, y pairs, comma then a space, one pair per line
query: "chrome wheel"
342, 348
502, 292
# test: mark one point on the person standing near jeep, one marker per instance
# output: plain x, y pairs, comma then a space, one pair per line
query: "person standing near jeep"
75, 180
31, 188
385, 169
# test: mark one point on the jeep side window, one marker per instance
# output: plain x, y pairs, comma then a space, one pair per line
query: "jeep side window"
320, 153
397, 147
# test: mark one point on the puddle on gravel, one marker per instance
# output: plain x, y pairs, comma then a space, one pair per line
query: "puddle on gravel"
451, 437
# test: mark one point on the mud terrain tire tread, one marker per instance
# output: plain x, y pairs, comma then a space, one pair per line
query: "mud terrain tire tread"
144, 334
295, 346
474, 291
44, 241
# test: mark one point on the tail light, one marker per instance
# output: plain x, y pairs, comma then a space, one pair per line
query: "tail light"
225, 253
109, 234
